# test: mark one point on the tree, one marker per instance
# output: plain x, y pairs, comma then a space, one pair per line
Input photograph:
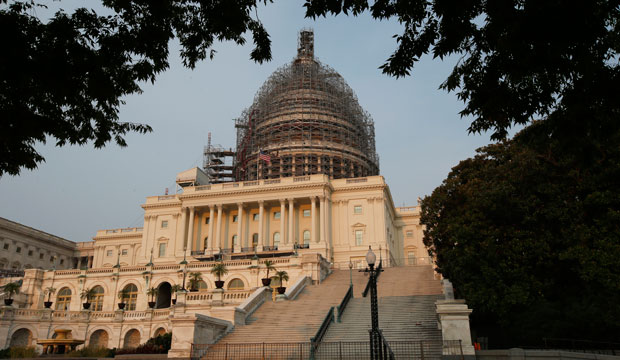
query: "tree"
194, 279
269, 267
11, 289
49, 291
65, 79
219, 270
282, 277
519, 60
529, 236
87, 294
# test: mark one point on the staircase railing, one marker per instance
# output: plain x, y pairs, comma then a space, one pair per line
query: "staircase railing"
315, 341
379, 347
344, 302
367, 288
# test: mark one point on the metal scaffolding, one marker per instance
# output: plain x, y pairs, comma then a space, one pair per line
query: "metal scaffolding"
305, 120
218, 163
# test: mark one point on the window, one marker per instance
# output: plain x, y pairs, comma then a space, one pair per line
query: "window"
131, 295
108, 253
124, 252
307, 238
235, 218
357, 209
30, 252
162, 249
202, 286
306, 213
276, 240
411, 257
164, 224
41, 256
359, 237
97, 299
409, 233
235, 240
62, 261
52, 258
6, 246
276, 215
207, 220
255, 217
18, 250
206, 243
63, 299
254, 240
235, 284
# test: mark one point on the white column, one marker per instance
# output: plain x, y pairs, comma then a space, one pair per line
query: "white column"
282, 221
180, 240
261, 211
291, 223
322, 219
237, 248
211, 240
218, 229
190, 233
313, 238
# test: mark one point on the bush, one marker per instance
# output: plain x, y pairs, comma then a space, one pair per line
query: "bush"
5, 353
92, 351
155, 345
18, 352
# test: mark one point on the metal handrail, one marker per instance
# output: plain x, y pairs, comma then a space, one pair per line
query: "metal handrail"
316, 339
367, 288
345, 301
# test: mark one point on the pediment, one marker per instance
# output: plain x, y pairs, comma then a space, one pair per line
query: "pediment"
358, 225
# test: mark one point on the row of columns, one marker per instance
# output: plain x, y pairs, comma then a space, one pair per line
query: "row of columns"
215, 243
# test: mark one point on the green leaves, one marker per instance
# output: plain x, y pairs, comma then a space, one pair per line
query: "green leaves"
65, 79
525, 224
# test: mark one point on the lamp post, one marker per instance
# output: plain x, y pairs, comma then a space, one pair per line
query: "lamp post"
350, 273
184, 262
375, 334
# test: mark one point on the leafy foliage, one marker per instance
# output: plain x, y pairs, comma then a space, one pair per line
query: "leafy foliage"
12, 288
22, 352
282, 276
529, 235
93, 352
65, 79
159, 344
219, 270
269, 267
518, 59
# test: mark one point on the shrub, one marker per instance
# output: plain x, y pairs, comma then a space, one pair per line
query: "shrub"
19, 352
156, 345
92, 351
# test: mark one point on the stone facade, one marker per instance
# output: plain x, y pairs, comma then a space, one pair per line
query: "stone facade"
305, 225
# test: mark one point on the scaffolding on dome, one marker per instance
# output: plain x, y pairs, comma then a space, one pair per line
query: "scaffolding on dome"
305, 120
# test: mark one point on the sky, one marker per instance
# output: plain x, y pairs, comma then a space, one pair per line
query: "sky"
78, 190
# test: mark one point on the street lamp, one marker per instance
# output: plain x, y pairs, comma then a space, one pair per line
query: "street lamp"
375, 334
350, 273
184, 263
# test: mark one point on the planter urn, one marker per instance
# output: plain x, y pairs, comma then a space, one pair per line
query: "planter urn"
86, 306
8, 302
281, 290
266, 281
151, 304
47, 304
121, 306
219, 284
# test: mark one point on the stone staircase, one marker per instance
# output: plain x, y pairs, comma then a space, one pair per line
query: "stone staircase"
406, 313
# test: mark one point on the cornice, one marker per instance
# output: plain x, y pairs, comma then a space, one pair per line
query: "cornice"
208, 194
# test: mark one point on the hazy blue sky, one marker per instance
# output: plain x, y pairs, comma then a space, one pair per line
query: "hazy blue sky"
419, 133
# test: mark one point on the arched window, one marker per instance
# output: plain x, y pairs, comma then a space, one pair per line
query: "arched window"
276, 240
202, 286
63, 299
307, 238
97, 299
132, 297
235, 284
254, 240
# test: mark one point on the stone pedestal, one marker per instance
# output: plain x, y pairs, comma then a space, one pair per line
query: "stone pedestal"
218, 297
281, 297
194, 329
454, 322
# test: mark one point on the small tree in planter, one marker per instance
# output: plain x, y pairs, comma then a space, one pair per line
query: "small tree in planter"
87, 294
194, 279
49, 292
152, 293
219, 270
122, 295
175, 289
268, 266
10, 289
282, 276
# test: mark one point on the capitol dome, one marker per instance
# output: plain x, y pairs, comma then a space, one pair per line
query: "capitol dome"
305, 120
